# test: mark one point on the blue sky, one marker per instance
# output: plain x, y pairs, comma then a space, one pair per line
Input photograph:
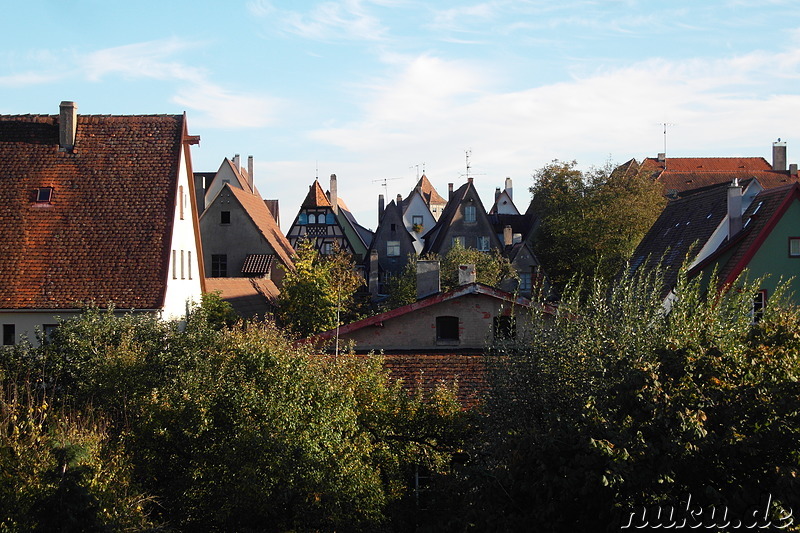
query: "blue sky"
376, 90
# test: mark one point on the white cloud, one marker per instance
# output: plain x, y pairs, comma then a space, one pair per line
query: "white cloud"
221, 108
27, 79
326, 21
142, 60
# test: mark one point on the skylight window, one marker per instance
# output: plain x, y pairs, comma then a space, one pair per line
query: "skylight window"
44, 195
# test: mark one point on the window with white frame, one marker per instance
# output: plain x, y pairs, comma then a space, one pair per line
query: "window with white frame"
392, 248
524, 282
483, 243
794, 246
759, 302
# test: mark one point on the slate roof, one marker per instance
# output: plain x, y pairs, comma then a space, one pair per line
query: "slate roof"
258, 212
435, 237
683, 223
686, 174
760, 218
105, 237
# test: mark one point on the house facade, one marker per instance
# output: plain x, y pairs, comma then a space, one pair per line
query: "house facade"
96, 209
390, 248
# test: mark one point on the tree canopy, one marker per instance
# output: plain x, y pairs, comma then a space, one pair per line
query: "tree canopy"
591, 222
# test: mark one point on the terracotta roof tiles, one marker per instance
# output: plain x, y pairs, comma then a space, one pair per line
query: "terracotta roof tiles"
106, 234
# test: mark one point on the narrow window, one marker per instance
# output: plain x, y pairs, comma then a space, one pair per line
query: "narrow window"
302, 220
183, 276
9, 334
393, 227
174, 264
469, 213
180, 200
794, 246
525, 282
327, 248
190, 263
224, 217
447, 329
392, 248
759, 302
505, 327
219, 266
312, 218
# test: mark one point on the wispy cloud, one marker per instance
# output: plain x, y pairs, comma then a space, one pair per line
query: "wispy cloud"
346, 20
28, 79
222, 108
150, 59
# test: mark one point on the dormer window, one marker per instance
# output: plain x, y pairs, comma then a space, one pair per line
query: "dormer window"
44, 195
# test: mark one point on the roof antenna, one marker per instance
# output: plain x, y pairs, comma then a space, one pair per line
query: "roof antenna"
665, 124
468, 174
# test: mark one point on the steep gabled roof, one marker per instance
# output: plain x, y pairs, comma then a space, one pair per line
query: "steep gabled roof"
760, 219
428, 192
364, 235
435, 237
258, 212
106, 234
316, 197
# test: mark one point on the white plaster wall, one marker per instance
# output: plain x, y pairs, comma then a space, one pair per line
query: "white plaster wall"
417, 207
183, 286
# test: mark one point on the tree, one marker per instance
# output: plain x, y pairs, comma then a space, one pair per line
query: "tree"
618, 405
318, 291
591, 222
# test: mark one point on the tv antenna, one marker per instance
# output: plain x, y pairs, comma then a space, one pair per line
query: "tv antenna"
385, 185
665, 124
469, 174
417, 167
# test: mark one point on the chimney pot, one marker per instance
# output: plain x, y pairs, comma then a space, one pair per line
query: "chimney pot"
399, 199
250, 180
67, 125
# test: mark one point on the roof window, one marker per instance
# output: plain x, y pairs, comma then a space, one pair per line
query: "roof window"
44, 195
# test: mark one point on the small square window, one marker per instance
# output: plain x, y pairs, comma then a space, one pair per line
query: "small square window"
794, 246
483, 244
392, 248
327, 248
225, 217
416, 219
447, 329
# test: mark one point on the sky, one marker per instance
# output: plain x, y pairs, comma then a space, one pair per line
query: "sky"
380, 91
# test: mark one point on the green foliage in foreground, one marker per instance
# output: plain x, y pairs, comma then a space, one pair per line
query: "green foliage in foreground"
129, 423
619, 405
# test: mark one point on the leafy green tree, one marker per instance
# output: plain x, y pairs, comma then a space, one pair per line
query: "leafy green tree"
591, 222
618, 405
320, 292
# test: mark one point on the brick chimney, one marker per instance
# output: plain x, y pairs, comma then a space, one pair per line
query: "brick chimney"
334, 194
508, 236
734, 208
67, 125
779, 155
466, 274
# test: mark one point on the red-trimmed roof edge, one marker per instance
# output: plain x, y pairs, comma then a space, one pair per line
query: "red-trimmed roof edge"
792, 193
463, 290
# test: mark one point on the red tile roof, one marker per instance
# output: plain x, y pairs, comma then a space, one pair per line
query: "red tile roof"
428, 192
249, 297
426, 372
687, 173
316, 197
105, 237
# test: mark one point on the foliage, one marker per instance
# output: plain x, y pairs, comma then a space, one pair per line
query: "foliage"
219, 313
618, 405
320, 292
591, 222
402, 287
200, 428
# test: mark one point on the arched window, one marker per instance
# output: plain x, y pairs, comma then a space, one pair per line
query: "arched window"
302, 219
312, 218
